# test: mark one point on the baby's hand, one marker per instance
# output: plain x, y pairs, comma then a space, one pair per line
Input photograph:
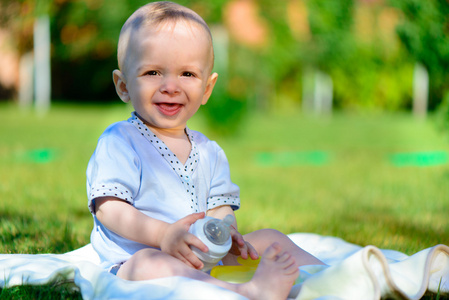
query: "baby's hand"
176, 241
240, 247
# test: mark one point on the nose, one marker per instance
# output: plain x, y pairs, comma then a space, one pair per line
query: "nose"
170, 86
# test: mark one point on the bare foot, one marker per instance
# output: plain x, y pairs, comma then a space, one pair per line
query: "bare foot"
274, 277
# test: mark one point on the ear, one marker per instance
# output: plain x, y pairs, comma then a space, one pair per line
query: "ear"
120, 85
209, 87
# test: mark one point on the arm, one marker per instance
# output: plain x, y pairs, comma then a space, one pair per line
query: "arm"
239, 245
128, 222
123, 219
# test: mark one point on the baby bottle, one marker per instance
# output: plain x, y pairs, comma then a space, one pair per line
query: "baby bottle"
216, 235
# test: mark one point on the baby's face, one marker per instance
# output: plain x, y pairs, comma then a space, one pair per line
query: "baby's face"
167, 73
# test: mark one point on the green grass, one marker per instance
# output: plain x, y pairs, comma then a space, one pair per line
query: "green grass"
359, 195
40, 292
356, 192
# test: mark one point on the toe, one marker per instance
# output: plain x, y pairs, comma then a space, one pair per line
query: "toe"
272, 251
284, 257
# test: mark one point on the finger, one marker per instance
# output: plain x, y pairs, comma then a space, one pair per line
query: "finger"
238, 238
192, 240
192, 218
252, 252
249, 251
179, 256
195, 261
244, 251
192, 259
234, 250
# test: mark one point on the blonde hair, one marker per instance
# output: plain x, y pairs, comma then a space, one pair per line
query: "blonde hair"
154, 14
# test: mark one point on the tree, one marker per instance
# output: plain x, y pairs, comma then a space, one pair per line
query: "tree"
424, 31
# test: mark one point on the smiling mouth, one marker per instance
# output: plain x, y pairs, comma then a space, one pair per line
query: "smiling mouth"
169, 109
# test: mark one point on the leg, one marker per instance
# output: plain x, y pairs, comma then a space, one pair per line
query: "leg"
261, 239
273, 279
150, 264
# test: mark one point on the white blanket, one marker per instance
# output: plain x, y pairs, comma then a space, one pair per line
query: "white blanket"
353, 273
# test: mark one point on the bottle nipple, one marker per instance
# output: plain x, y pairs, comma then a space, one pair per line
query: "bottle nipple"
218, 231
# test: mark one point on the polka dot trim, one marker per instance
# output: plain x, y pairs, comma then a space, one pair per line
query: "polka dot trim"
228, 199
184, 172
110, 190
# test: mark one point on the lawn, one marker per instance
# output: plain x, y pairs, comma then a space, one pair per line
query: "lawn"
379, 179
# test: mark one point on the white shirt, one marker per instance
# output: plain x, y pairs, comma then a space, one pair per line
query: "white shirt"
132, 164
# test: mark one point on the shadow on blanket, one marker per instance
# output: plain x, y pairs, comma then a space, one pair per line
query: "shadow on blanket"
353, 273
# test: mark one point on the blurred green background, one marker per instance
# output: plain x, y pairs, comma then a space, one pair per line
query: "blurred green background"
269, 53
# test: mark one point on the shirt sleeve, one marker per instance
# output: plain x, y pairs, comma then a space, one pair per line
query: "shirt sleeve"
223, 191
113, 170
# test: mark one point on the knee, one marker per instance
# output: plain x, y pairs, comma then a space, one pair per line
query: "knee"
263, 238
148, 264
270, 234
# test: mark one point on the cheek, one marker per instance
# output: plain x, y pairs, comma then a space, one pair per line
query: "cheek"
142, 90
196, 89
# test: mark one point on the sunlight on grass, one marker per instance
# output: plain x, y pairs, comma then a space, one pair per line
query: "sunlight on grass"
340, 182
357, 194
332, 176
43, 176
